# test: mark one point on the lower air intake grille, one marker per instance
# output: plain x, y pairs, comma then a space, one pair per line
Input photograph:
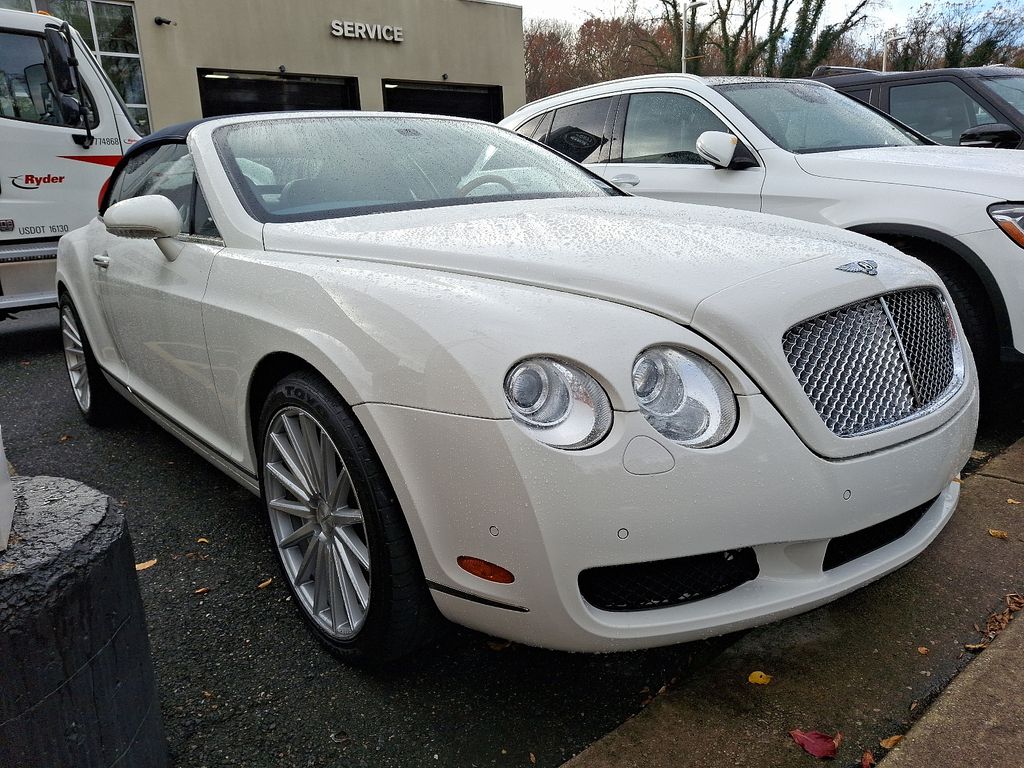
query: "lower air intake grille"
877, 363
844, 549
664, 583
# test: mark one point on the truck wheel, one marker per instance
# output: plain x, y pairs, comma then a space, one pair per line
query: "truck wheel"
95, 397
337, 528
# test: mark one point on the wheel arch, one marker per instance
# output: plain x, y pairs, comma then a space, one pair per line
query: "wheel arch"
957, 254
268, 371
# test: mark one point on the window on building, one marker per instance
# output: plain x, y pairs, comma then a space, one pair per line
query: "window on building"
939, 110
663, 128
16, 5
111, 33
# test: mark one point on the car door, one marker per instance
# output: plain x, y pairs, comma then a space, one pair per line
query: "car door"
151, 295
657, 155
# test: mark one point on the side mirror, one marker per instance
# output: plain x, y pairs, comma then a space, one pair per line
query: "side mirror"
717, 147
723, 150
60, 61
70, 110
993, 135
143, 218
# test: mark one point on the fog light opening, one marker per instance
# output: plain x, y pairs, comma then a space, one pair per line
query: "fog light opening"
485, 570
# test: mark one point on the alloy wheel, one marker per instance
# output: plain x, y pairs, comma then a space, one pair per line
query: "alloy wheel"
317, 522
74, 355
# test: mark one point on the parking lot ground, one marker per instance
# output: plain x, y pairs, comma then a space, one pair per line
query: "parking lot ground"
866, 666
242, 682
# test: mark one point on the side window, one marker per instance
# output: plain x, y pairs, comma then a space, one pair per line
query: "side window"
940, 110
163, 170
203, 224
861, 94
530, 127
577, 131
26, 92
663, 128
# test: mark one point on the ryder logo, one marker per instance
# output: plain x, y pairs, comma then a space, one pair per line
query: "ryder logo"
31, 181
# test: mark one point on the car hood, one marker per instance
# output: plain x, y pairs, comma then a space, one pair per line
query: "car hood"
661, 257
994, 173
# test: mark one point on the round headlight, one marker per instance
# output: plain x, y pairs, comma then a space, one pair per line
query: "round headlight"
557, 404
684, 397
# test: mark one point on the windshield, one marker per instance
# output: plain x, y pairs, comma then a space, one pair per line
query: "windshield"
803, 117
1009, 88
307, 168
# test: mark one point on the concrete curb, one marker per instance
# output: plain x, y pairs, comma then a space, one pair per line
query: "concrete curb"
977, 720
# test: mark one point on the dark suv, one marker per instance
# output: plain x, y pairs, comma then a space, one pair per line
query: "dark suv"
969, 106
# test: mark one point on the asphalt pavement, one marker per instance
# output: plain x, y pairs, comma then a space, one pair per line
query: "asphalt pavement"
241, 680
242, 683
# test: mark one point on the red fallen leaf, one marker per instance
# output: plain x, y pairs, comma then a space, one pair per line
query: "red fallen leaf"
816, 743
867, 760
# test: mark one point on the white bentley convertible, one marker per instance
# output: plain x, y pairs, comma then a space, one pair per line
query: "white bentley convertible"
469, 377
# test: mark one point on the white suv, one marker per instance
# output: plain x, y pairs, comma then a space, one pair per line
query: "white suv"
799, 148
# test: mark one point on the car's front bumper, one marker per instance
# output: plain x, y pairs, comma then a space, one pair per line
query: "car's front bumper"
480, 487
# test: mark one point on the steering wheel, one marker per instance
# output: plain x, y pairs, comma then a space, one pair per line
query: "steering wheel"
487, 178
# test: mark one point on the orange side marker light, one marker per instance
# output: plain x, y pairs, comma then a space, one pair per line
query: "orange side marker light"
485, 570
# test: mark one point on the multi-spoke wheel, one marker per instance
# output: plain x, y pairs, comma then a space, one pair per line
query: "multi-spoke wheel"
317, 522
337, 528
92, 392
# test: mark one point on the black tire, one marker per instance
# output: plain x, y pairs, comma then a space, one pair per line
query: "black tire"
972, 305
401, 616
100, 406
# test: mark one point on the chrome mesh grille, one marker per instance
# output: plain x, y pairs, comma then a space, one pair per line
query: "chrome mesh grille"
876, 363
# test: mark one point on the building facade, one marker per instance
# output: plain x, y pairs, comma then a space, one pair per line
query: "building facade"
175, 60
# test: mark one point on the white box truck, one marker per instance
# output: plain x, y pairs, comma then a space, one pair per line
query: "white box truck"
63, 127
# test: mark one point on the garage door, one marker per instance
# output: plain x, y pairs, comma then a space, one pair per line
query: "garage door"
223, 92
482, 102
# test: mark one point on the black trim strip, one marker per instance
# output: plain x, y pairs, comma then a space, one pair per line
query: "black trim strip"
474, 598
20, 259
186, 430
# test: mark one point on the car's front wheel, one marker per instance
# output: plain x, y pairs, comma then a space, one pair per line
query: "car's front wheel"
337, 528
95, 397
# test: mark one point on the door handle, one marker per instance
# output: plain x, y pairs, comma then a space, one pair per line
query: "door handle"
626, 180
101, 261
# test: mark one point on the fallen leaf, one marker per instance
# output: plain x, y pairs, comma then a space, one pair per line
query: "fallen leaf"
498, 645
202, 540
265, 584
757, 677
997, 534
1015, 602
6, 566
1013, 501
201, 591
533, 759
975, 647
891, 742
64, 438
867, 760
922, 650
913, 706
979, 455
207, 695
816, 743
145, 565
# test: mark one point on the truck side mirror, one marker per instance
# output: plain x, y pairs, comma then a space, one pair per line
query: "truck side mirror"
993, 135
60, 61
70, 109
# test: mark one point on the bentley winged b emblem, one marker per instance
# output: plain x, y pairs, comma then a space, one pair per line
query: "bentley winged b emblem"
865, 267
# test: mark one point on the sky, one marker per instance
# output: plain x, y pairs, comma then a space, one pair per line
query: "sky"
888, 12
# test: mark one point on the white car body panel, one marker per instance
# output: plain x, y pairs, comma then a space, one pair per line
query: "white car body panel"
415, 318
933, 189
